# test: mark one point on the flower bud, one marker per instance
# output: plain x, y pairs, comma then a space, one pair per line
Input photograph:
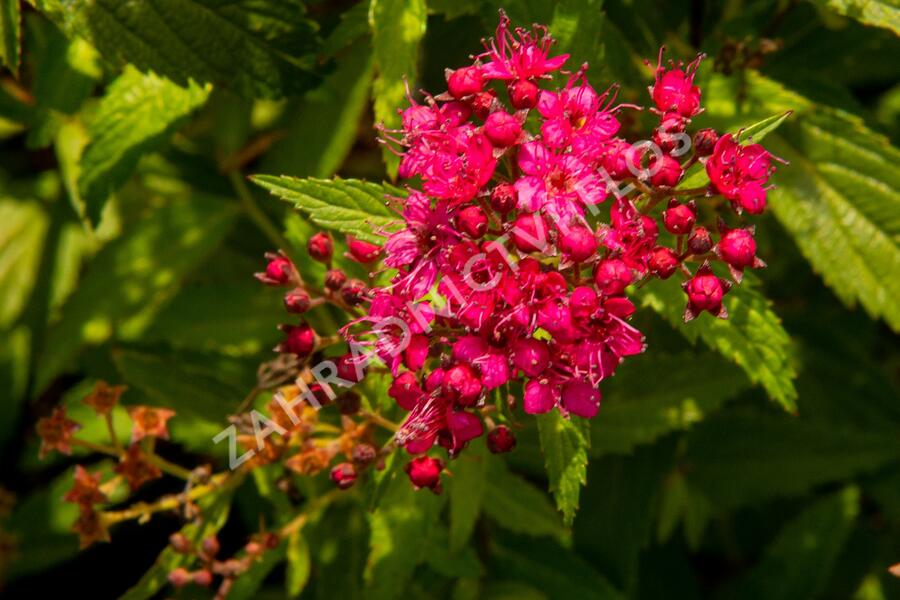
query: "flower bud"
472, 221
279, 270
210, 546
523, 94
354, 292
425, 472
679, 218
464, 426
203, 578
705, 291
405, 390
320, 247
503, 198
704, 142
666, 135
738, 248
465, 81
348, 403
501, 440
583, 302
343, 475
297, 301
179, 577
299, 340
350, 370
577, 242
529, 233
461, 385
335, 279
699, 242
663, 262
180, 543
531, 356
666, 171
502, 129
364, 455
361, 251
613, 276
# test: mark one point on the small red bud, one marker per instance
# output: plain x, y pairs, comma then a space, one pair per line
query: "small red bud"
335, 279
361, 251
523, 94
180, 543
465, 81
472, 221
679, 218
503, 198
203, 578
344, 475
364, 455
179, 577
297, 301
210, 546
705, 141
425, 472
320, 247
699, 242
663, 262
501, 440
354, 292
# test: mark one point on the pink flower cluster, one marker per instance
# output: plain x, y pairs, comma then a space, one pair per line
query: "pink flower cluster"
529, 219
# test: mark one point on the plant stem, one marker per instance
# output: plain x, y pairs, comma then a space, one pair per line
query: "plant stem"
142, 510
255, 213
163, 464
380, 421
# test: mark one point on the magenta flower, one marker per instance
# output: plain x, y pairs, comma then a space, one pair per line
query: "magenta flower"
519, 54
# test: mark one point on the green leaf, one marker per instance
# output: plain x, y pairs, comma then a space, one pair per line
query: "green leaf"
577, 35
880, 13
741, 456
203, 385
517, 505
136, 116
799, 562
636, 409
398, 27
261, 48
325, 124
133, 276
761, 129
238, 319
215, 513
23, 227
614, 524
298, 563
557, 572
839, 198
752, 336
465, 491
346, 205
10, 34
247, 585
400, 529
565, 444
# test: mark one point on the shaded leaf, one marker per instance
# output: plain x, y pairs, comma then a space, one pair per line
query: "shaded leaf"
465, 491
258, 48
880, 13
740, 456
298, 563
752, 336
565, 444
519, 506
10, 34
135, 116
133, 276
799, 561
400, 529
636, 409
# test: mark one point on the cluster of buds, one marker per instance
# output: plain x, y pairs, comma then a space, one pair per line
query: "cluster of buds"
535, 220
211, 566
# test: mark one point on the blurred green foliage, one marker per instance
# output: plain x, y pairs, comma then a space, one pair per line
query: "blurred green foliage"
128, 236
